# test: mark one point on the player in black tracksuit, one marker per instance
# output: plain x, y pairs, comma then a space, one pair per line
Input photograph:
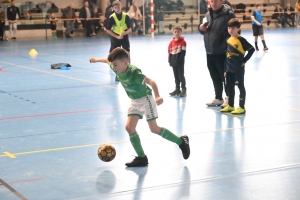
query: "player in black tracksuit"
237, 46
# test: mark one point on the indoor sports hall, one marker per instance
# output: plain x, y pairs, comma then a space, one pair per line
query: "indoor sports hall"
53, 121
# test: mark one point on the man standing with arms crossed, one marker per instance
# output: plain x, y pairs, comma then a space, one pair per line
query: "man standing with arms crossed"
215, 35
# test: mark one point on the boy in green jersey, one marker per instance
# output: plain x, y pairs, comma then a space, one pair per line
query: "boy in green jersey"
142, 103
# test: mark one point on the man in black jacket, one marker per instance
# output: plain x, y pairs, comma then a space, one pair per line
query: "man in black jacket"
289, 14
215, 35
12, 12
86, 13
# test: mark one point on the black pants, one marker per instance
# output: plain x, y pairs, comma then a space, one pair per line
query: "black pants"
215, 65
135, 22
124, 43
2, 29
292, 17
147, 24
87, 24
179, 76
231, 82
97, 25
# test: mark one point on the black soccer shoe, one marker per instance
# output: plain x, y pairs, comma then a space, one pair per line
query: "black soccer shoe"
185, 147
138, 162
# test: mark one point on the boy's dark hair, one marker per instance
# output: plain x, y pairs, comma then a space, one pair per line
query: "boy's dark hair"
234, 22
258, 4
117, 3
118, 54
178, 28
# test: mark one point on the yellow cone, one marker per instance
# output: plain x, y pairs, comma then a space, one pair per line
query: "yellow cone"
33, 52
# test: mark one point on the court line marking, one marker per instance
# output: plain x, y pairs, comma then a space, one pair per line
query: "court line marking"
65, 148
9, 154
12, 190
54, 114
27, 180
125, 141
199, 180
51, 73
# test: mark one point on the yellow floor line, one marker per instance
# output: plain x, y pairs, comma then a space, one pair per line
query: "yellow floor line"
55, 149
123, 141
9, 154
69, 77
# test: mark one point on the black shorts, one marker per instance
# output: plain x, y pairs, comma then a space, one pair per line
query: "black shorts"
237, 78
257, 30
124, 43
53, 27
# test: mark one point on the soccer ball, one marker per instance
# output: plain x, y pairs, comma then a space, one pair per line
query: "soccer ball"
106, 152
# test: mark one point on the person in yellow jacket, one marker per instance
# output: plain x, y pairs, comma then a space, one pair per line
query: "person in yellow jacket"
118, 27
297, 11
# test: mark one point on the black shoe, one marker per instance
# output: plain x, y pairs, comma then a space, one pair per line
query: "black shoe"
183, 93
185, 147
117, 79
138, 162
13, 38
176, 92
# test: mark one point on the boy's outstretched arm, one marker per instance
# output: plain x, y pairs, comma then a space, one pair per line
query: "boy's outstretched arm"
154, 87
103, 60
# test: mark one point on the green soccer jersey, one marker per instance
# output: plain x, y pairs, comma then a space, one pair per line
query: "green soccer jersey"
133, 82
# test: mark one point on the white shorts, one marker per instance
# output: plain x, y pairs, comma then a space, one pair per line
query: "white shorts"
143, 106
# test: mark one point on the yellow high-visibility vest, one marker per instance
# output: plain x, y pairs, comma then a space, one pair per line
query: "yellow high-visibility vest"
120, 25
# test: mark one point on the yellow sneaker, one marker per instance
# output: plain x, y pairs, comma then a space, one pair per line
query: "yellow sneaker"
238, 111
227, 109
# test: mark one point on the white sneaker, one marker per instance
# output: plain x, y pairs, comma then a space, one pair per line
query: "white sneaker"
225, 103
215, 102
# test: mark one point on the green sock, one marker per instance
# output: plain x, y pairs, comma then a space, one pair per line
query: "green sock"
168, 135
136, 143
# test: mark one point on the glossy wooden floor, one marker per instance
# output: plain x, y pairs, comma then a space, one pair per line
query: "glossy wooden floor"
53, 121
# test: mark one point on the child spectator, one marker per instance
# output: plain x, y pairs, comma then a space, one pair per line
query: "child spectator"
53, 21
177, 51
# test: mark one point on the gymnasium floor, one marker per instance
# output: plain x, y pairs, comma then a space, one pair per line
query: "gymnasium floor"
53, 121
